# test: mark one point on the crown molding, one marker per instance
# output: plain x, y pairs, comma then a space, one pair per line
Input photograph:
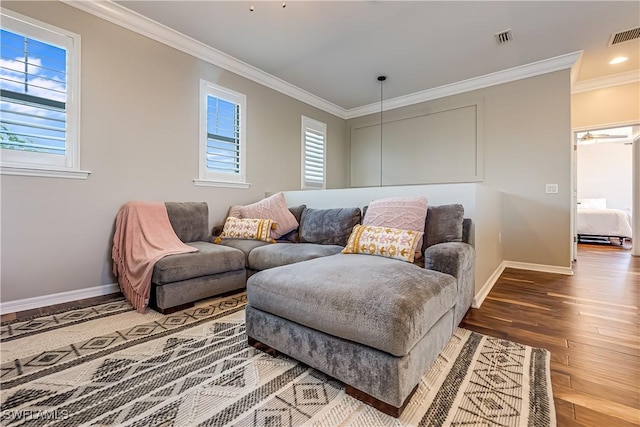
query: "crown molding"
126, 18
140, 24
533, 69
632, 76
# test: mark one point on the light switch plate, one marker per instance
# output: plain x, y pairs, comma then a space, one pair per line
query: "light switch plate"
551, 189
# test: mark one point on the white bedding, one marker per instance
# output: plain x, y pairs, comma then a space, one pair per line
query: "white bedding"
604, 222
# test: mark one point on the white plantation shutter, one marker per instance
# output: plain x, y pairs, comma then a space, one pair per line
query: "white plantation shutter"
39, 93
313, 153
221, 134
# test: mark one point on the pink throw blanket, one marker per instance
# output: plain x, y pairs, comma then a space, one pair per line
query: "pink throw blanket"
143, 235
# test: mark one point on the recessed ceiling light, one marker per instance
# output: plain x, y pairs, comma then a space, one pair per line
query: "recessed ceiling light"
618, 60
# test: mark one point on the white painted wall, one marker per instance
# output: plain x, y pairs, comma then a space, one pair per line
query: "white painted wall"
525, 127
605, 171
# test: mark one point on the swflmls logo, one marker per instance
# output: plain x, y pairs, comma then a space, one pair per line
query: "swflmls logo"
25, 414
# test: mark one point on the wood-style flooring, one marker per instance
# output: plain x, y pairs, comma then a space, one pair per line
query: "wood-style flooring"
590, 324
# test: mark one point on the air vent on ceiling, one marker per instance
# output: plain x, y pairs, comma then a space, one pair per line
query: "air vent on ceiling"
504, 36
624, 36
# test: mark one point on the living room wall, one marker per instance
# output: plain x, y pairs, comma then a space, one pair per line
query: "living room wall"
527, 144
602, 108
139, 138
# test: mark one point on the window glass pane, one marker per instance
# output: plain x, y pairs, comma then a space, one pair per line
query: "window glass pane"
223, 136
33, 88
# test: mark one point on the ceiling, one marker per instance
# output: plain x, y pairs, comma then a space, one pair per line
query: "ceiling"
336, 49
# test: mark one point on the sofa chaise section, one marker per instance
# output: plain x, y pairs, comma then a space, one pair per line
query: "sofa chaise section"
372, 322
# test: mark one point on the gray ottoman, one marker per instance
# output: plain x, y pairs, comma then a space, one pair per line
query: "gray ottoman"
374, 323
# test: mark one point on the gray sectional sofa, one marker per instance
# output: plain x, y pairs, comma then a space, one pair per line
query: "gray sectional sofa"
374, 323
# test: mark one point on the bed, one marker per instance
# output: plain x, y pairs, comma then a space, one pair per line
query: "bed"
597, 223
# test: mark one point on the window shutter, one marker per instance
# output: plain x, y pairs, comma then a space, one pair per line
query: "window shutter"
223, 136
33, 91
313, 161
222, 144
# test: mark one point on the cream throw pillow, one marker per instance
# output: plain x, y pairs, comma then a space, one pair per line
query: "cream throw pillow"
247, 228
405, 213
383, 241
274, 208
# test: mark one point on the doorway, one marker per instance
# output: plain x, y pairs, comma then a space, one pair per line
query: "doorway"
603, 164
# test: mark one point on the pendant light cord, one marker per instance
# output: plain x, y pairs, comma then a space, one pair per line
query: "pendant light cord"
381, 79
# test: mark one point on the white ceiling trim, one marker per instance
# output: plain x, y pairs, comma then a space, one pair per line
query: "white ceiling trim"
632, 76
550, 65
140, 24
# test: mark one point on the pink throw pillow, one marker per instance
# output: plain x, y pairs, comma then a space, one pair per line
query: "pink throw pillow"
273, 208
404, 213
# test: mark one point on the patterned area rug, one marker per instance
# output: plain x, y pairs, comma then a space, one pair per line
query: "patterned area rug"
110, 366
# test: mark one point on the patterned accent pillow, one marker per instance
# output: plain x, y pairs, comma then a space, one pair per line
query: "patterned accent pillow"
247, 228
383, 241
274, 208
405, 213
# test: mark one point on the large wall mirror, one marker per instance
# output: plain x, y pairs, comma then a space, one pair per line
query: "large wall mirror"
439, 146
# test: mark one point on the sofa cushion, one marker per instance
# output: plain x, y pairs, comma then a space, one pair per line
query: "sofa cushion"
383, 241
274, 208
190, 220
444, 224
294, 236
328, 226
405, 213
379, 302
210, 259
278, 254
244, 245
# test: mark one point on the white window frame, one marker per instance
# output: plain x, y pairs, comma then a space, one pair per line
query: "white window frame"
218, 179
15, 162
317, 126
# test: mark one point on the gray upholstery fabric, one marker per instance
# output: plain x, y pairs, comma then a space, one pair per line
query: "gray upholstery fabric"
443, 224
379, 302
375, 372
277, 254
293, 236
210, 259
458, 260
186, 291
190, 220
467, 231
328, 226
245, 245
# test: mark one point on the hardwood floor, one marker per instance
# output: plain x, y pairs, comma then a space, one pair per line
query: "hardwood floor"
57, 308
590, 324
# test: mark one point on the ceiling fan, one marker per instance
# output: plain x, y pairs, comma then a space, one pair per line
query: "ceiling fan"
593, 137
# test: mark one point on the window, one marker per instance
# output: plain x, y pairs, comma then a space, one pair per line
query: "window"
222, 146
313, 153
39, 98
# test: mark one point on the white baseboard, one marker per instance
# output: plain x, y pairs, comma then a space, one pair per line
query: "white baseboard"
62, 297
539, 267
486, 288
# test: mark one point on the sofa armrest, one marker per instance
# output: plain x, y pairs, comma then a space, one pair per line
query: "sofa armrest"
457, 259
